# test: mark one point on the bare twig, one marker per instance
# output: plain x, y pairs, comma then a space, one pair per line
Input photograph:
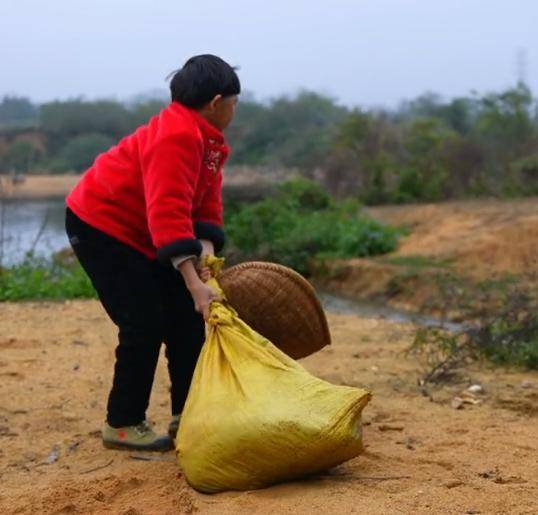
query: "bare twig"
107, 464
144, 457
2, 221
384, 478
39, 234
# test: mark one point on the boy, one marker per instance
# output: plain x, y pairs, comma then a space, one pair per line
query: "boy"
138, 220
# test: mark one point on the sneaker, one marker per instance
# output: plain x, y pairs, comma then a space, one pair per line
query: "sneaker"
140, 437
173, 426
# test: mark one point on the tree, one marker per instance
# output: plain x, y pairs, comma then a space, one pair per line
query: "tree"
289, 132
425, 175
143, 111
14, 110
20, 156
80, 152
362, 157
62, 121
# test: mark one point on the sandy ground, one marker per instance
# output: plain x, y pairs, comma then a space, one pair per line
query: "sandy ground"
43, 186
422, 456
38, 187
477, 240
480, 237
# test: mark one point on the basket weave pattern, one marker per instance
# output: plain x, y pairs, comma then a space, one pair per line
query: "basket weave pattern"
278, 303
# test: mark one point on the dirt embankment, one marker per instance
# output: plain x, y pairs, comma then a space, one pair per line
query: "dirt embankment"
475, 241
240, 183
422, 456
37, 187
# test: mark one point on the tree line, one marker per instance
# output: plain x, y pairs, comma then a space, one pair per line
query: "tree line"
426, 149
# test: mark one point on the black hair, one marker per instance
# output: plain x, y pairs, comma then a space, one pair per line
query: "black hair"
201, 78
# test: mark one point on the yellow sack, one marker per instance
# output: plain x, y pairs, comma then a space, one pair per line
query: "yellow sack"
254, 416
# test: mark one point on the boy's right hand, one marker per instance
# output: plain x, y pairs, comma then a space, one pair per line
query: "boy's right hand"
203, 295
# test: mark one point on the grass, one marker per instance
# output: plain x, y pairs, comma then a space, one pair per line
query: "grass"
40, 279
301, 225
416, 261
504, 330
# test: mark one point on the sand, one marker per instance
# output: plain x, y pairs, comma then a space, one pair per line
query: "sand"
480, 237
58, 186
422, 455
475, 241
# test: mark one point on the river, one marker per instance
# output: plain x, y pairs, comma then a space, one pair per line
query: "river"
39, 225
27, 225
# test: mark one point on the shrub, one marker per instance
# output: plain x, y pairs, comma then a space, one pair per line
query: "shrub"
38, 279
302, 224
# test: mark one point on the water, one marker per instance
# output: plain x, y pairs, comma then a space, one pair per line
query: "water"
368, 309
31, 224
39, 224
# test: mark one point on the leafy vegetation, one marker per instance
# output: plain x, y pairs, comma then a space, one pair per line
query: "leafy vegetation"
425, 150
503, 329
302, 224
36, 279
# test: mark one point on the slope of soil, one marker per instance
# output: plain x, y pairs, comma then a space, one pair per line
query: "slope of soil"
476, 241
480, 237
422, 456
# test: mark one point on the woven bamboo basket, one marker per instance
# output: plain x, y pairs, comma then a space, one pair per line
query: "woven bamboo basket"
278, 303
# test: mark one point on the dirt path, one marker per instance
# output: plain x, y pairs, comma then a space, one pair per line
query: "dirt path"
422, 456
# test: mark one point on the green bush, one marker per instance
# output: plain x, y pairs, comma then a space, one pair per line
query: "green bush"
80, 152
302, 224
38, 279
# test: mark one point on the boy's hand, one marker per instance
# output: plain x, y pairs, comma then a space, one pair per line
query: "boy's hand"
203, 271
203, 296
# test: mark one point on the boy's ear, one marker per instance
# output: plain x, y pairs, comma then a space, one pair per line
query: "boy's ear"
214, 101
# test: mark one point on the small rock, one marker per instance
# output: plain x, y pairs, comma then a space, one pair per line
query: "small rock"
475, 388
457, 403
472, 511
73, 446
374, 368
409, 443
453, 484
76, 366
53, 456
527, 384
469, 398
386, 427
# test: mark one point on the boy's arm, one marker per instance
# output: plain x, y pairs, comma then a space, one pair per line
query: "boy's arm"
207, 249
208, 220
170, 170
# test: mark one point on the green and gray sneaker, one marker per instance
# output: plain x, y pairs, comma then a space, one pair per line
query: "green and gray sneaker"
140, 437
173, 426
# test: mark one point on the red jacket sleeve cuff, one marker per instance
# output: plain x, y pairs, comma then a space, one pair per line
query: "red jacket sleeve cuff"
185, 246
212, 232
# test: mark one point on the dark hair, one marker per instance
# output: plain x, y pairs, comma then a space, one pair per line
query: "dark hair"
201, 78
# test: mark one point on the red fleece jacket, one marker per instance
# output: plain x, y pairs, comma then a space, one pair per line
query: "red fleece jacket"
159, 189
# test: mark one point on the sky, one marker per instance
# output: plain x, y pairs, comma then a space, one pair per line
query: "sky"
363, 52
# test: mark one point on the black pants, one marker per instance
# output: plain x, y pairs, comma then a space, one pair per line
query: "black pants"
150, 304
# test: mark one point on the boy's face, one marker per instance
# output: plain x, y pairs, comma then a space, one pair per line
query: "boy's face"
220, 111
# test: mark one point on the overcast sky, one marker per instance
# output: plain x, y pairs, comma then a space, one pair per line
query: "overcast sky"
363, 52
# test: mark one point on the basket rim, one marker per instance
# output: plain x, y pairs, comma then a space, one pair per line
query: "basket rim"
296, 277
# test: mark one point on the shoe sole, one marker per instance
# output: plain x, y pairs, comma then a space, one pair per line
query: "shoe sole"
119, 446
